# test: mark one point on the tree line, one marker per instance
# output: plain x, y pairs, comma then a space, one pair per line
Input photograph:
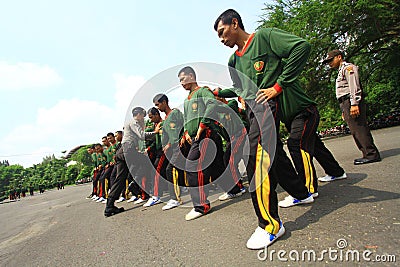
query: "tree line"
46, 174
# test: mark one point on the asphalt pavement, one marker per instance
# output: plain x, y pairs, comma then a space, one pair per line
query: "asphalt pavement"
354, 222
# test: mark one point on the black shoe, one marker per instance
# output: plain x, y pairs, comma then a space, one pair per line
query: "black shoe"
109, 211
365, 161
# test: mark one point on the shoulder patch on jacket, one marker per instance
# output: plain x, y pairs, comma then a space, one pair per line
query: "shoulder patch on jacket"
350, 69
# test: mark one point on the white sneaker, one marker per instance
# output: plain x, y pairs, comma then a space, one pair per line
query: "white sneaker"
95, 198
290, 201
121, 199
330, 178
132, 199
152, 201
138, 201
172, 203
104, 201
261, 238
315, 195
226, 196
100, 200
193, 214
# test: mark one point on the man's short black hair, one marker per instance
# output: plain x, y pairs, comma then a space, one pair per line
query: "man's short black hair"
226, 18
104, 137
118, 132
160, 98
188, 70
153, 111
110, 134
138, 110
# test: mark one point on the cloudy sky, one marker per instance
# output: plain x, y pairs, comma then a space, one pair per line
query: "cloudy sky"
70, 69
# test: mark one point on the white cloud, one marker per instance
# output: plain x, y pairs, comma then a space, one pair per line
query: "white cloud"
67, 124
126, 87
21, 157
75, 117
64, 126
25, 75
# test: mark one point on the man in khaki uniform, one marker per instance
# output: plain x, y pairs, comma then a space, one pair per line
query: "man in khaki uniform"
351, 99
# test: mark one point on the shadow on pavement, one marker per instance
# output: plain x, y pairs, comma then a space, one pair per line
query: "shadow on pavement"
390, 153
336, 195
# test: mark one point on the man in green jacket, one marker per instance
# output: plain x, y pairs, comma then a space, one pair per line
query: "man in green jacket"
203, 161
257, 63
171, 135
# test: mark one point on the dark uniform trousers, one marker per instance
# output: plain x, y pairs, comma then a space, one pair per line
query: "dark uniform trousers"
160, 165
175, 171
203, 162
231, 181
263, 176
105, 181
359, 129
113, 175
128, 160
134, 188
99, 185
326, 159
304, 144
302, 136
94, 181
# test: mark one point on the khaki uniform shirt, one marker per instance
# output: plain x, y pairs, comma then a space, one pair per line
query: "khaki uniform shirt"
135, 135
348, 83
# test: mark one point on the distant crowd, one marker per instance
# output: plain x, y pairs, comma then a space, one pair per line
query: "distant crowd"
21, 191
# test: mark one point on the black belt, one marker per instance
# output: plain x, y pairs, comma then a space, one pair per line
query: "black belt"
343, 98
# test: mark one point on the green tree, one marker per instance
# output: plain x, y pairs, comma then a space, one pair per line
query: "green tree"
85, 172
369, 33
82, 156
84, 162
72, 173
10, 176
